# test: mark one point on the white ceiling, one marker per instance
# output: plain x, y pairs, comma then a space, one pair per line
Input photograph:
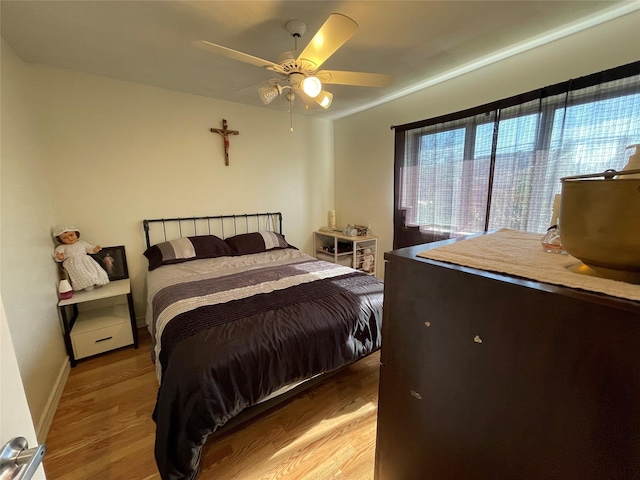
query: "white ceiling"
418, 42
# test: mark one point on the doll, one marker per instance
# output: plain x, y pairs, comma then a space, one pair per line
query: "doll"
84, 272
368, 261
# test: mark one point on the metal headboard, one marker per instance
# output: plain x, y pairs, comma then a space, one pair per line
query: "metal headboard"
221, 225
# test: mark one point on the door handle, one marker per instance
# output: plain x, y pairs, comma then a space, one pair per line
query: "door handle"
17, 461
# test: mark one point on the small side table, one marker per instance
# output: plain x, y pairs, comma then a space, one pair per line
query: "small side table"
97, 331
326, 247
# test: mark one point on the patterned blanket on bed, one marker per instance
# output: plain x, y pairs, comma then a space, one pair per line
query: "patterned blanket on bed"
228, 341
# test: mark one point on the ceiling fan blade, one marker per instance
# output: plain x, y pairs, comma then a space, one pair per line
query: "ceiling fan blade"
360, 79
235, 55
332, 35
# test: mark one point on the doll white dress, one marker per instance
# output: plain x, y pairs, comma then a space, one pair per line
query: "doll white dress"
83, 270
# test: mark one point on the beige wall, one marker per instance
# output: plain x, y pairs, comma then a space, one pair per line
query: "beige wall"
103, 155
364, 142
28, 274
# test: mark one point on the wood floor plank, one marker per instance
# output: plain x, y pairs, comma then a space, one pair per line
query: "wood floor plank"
103, 427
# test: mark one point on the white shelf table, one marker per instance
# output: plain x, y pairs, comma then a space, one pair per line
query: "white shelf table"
326, 247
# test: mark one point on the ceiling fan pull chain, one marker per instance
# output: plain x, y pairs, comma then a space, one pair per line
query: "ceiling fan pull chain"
291, 113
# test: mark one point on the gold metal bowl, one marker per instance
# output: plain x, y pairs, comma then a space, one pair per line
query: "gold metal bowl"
600, 221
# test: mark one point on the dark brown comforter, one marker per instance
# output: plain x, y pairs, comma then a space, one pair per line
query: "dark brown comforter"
241, 336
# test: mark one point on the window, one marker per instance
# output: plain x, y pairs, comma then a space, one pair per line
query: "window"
499, 165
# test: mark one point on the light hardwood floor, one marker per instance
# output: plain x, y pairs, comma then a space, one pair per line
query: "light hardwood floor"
103, 429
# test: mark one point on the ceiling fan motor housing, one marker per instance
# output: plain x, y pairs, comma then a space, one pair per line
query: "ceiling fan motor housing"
290, 63
296, 28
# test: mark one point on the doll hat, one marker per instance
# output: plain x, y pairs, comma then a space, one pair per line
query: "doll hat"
60, 229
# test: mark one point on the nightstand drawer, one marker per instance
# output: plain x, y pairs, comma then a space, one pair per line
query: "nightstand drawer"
98, 331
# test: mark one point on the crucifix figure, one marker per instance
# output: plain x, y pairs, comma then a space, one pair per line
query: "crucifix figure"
225, 132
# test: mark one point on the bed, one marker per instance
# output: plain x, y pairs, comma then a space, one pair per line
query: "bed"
240, 320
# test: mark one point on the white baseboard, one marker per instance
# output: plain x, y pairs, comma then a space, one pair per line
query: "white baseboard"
42, 429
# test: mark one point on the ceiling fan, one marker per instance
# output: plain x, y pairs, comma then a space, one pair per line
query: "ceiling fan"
298, 71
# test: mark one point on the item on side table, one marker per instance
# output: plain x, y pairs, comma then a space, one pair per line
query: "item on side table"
368, 261
343, 247
64, 290
84, 272
362, 230
350, 231
354, 230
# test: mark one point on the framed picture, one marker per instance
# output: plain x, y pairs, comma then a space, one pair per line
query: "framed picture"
114, 262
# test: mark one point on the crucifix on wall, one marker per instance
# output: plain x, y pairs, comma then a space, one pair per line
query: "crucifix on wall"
225, 132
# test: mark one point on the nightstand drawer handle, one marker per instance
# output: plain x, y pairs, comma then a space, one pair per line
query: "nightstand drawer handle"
104, 339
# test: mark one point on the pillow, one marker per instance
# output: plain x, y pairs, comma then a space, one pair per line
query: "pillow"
257, 242
185, 249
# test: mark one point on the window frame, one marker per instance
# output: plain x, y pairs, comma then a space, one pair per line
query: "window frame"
536, 102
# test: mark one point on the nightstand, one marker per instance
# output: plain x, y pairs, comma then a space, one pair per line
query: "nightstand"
98, 330
344, 250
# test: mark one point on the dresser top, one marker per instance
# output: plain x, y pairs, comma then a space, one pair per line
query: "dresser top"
410, 254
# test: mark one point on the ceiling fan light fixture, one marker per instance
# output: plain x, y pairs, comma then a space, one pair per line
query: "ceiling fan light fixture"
268, 93
324, 99
311, 86
298, 70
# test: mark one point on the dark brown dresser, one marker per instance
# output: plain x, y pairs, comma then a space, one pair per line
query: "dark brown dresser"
487, 376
